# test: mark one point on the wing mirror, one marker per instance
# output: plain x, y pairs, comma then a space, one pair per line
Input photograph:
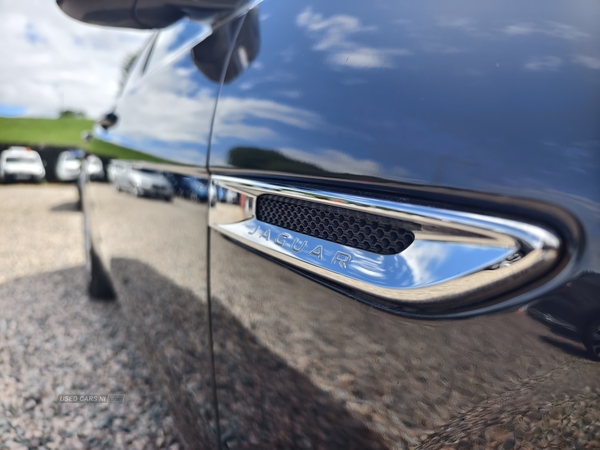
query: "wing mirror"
108, 121
210, 55
87, 136
143, 14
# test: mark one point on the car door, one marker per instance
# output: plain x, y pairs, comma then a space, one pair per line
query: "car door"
151, 242
429, 127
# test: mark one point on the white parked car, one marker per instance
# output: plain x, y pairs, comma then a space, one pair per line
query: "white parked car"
95, 168
21, 163
68, 165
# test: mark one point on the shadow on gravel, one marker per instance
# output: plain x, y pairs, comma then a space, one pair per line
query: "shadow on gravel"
281, 406
566, 347
66, 207
53, 340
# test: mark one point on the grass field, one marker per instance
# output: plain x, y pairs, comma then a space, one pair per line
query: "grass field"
62, 132
59, 132
116, 151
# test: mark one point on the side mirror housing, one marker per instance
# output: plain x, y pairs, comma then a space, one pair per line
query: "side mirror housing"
108, 121
142, 14
210, 55
87, 136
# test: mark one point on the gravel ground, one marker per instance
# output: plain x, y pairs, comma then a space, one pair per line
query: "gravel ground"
40, 230
54, 340
283, 366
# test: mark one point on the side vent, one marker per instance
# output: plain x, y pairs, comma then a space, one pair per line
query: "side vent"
386, 252
356, 229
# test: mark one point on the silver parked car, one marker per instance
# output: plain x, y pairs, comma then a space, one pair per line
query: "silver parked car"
141, 182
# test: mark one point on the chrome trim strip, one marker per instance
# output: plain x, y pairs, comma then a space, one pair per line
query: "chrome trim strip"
456, 256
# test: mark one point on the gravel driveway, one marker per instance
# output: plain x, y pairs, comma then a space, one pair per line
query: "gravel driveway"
54, 340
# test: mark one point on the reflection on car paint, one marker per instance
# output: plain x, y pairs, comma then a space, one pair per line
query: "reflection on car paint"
446, 102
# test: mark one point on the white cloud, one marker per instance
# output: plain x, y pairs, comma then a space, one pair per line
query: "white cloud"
456, 22
335, 161
289, 93
543, 63
563, 31
591, 62
234, 113
184, 116
463, 24
52, 60
559, 30
520, 29
333, 36
367, 57
425, 260
275, 77
178, 130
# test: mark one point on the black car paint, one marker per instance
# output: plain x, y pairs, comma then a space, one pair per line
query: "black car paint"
478, 107
571, 309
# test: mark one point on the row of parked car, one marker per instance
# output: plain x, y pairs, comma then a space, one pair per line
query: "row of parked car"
24, 164
147, 182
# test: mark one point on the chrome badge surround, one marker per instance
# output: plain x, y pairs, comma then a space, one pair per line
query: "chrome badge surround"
455, 256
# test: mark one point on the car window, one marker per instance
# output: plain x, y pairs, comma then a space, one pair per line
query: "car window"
15, 159
150, 171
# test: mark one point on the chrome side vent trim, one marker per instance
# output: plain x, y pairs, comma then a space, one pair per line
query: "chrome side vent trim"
445, 256
357, 229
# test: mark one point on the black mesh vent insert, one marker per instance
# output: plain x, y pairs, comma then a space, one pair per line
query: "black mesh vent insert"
370, 232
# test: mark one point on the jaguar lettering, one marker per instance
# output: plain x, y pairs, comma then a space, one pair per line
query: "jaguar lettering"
297, 245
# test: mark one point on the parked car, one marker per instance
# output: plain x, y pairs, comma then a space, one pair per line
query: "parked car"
142, 182
68, 165
193, 188
226, 195
391, 185
95, 168
21, 163
111, 168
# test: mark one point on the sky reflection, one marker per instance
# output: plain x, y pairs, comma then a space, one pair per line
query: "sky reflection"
52, 62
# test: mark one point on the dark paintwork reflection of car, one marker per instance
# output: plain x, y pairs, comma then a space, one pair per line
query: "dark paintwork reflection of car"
226, 196
574, 310
193, 188
390, 183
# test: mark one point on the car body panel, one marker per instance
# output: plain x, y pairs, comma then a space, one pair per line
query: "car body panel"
442, 104
489, 109
157, 259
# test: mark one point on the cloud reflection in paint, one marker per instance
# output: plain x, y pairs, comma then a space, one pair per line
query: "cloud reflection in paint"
333, 35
